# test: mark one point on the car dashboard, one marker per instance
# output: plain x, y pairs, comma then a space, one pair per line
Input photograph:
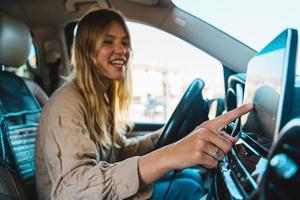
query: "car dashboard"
246, 172
240, 172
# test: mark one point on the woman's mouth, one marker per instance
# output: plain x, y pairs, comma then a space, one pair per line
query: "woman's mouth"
119, 63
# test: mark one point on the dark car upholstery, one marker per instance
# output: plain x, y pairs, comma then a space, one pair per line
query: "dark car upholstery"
19, 112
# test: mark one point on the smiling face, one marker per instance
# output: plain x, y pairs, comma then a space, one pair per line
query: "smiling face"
113, 54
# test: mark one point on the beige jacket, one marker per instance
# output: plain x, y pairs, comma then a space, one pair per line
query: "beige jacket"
68, 164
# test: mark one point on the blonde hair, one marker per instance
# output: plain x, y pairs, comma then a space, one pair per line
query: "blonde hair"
104, 121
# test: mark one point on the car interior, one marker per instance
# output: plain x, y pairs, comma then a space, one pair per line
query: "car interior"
263, 163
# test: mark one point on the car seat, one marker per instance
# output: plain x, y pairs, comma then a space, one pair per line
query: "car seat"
19, 113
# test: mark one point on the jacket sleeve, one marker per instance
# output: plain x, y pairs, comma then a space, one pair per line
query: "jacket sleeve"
137, 145
75, 169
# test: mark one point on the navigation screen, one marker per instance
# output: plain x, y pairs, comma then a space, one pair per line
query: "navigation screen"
270, 77
269, 85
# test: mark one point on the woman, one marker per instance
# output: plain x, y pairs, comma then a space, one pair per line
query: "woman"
81, 150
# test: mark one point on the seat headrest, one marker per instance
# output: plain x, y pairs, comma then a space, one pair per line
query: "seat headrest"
15, 40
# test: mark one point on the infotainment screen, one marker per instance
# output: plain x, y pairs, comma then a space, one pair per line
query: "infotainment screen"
269, 85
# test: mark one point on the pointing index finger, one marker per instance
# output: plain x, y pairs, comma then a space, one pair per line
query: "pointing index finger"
222, 121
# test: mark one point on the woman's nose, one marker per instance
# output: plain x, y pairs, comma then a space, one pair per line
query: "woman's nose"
120, 49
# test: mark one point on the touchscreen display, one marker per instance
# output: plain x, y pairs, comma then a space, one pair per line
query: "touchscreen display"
269, 85
270, 79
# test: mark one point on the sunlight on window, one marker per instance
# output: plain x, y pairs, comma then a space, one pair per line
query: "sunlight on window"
163, 67
266, 19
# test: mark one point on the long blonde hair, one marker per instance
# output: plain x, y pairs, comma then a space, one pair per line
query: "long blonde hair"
103, 121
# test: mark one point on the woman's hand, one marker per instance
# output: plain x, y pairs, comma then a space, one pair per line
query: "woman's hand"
198, 148
204, 146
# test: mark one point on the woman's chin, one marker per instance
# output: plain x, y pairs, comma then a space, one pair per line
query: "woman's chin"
118, 77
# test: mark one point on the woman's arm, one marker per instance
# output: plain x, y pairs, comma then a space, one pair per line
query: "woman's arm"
138, 145
195, 149
74, 165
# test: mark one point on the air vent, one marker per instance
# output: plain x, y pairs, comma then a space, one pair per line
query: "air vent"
235, 92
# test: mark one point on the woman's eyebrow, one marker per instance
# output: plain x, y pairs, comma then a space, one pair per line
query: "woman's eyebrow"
112, 36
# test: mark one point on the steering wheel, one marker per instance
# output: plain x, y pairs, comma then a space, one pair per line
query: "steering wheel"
191, 111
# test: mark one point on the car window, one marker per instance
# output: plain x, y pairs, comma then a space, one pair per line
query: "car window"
163, 67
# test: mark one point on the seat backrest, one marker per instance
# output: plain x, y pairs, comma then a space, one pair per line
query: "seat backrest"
19, 109
15, 45
15, 96
10, 186
37, 92
18, 139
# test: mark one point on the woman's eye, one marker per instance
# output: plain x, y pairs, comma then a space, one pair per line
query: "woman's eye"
108, 41
125, 43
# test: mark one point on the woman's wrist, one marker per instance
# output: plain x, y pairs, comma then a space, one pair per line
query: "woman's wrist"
154, 165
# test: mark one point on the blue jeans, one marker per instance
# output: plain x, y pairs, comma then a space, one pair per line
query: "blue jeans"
186, 185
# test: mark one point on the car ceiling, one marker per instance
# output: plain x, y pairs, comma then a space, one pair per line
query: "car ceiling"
55, 14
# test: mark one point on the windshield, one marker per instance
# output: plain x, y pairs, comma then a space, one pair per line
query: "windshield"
254, 23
